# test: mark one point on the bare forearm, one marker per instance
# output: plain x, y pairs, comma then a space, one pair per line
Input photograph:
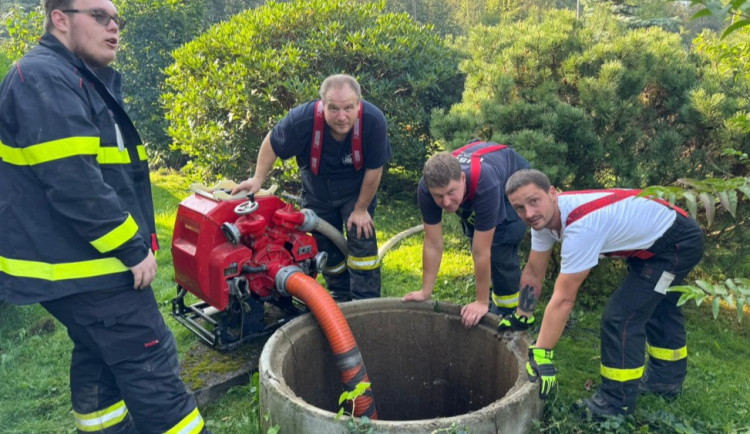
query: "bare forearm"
555, 317
528, 296
266, 158
432, 254
559, 307
482, 275
370, 185
532, 278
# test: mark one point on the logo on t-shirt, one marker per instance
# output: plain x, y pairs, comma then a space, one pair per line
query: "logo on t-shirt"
346, 160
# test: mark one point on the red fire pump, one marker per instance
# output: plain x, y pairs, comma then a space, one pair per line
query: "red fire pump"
238, 255
227, 253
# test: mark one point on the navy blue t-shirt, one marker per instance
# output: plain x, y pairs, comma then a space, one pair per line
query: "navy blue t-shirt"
490, 207
292, 137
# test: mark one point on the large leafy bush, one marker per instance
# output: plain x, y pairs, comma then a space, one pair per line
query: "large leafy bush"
155, 28
231, 85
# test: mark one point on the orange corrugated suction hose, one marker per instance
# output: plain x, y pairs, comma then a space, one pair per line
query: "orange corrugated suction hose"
339, 335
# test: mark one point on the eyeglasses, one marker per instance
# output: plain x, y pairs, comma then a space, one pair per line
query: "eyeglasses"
100, 16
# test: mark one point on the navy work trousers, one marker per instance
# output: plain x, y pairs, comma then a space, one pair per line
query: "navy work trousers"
123, 351
505, 264
357, 275
642, 310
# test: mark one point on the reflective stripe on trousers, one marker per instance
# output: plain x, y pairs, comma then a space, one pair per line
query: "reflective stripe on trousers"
123, 351
102, 419
363, 263
360, 274
190, 424
505, 301
642, 309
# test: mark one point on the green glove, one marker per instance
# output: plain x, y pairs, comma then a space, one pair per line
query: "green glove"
515, 322
540, 366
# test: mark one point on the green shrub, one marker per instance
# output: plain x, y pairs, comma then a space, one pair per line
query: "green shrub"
587, 101
24, 28
155, 28
4, 65
231, 85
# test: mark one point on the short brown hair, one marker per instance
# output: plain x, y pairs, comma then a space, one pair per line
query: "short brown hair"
525, 177
337, 81
51, 5
440, 169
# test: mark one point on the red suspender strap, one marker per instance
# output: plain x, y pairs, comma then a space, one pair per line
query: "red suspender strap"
317, 138
616, 196
589, 207
476, 163
357, 140
669, 205
458, 151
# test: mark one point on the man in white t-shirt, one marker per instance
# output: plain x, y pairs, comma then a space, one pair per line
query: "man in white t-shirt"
662, 244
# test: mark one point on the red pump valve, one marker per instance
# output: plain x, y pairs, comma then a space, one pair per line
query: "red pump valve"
288, 217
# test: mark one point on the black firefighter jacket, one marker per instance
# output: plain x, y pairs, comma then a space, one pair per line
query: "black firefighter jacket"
75, 195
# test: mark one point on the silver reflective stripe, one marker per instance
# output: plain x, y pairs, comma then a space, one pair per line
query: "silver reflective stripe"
505, 300
363, 263
120, 141
336, 269
99, 420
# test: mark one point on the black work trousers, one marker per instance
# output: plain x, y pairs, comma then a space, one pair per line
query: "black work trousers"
124, 373
356, 275
505, 265
641, 311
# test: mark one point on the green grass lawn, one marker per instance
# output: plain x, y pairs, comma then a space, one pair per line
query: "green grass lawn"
35, 350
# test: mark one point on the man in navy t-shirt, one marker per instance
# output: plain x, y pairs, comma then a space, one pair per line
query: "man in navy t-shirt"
341, 145
471, 183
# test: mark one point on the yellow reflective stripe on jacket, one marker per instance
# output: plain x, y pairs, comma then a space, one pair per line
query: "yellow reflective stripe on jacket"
505, 300
335, 269
364, 263
102, 419
190, 424
62, 271
666, 353
621, 375
113, 155
117, 236
49, 151
142, 153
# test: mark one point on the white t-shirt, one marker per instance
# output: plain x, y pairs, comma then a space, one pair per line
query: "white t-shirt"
634, 223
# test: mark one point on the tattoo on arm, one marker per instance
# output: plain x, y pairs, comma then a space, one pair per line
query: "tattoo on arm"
526, 299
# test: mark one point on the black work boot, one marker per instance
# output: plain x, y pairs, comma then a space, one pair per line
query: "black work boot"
597, 408
665, 390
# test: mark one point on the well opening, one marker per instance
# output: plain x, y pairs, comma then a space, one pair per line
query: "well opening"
422, 363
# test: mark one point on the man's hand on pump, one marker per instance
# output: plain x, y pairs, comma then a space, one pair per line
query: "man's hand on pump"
251, 185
